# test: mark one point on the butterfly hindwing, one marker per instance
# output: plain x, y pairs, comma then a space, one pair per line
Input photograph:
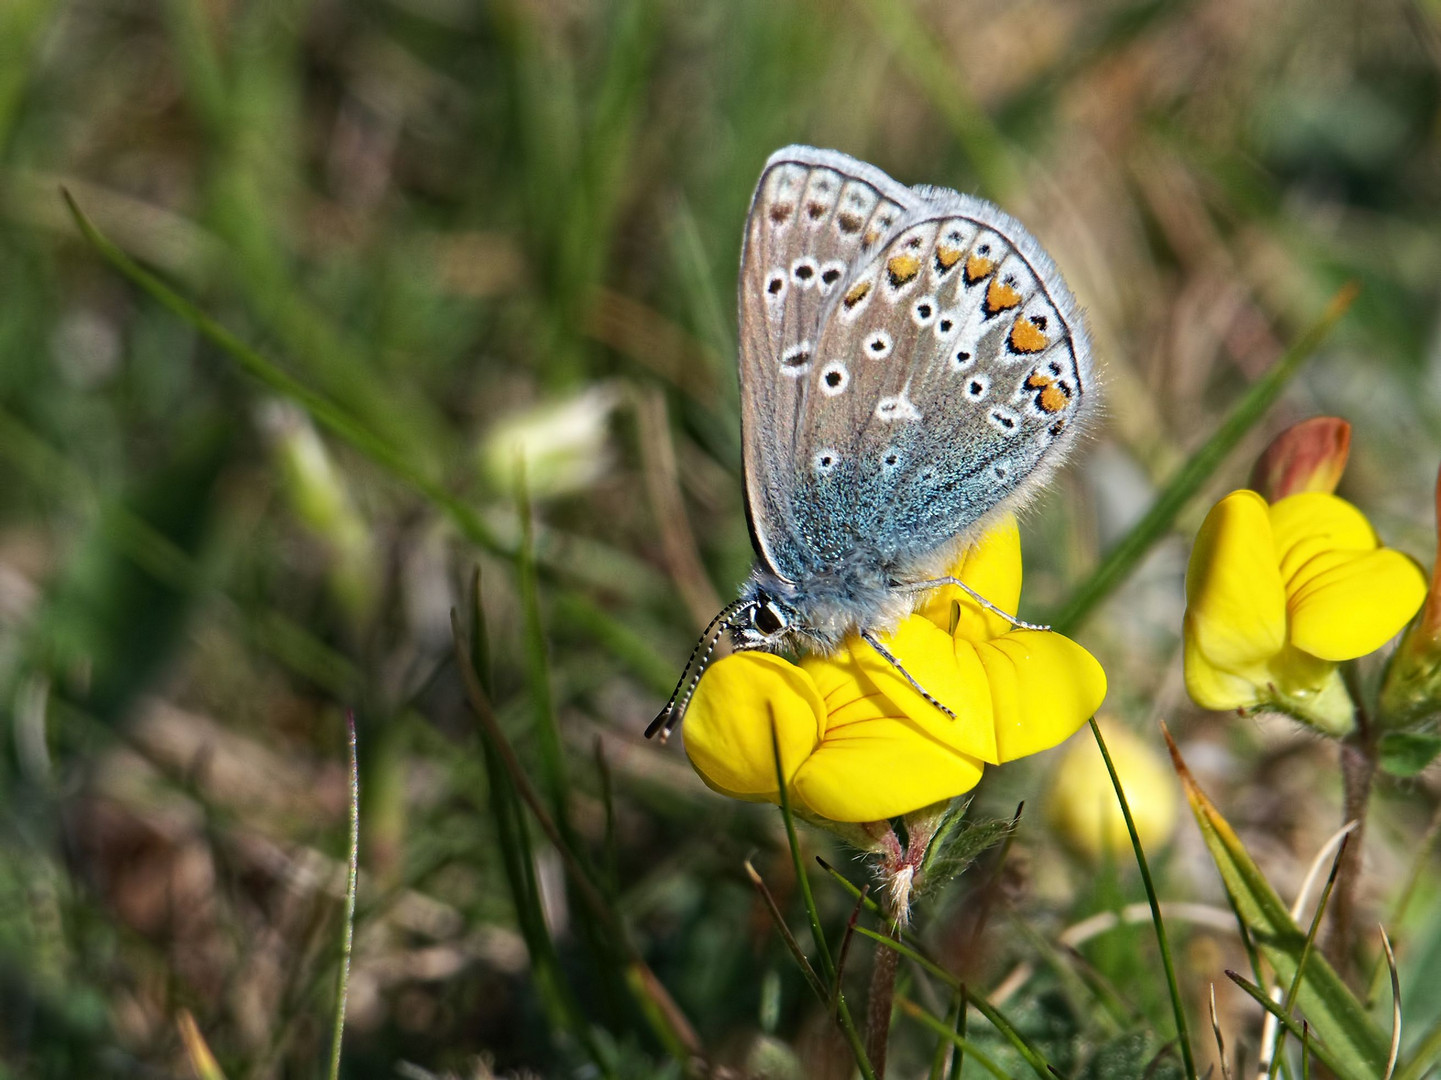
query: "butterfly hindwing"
968, 369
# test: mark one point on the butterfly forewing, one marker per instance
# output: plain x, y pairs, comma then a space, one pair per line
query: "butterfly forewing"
814, 215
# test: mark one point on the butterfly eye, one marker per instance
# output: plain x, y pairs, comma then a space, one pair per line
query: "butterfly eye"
768, 619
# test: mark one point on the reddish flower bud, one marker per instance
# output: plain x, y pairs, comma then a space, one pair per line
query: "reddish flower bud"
1309, 456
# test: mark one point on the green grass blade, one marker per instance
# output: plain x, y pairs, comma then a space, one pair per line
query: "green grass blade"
1424, 1057
1290, 1001
537, 670
325, 412
1123, 558
1033, 1057
828, 966
1352, 1038
352, 878
1178, 1007
667, 1022
955, 1035
792, 945
1291, 1024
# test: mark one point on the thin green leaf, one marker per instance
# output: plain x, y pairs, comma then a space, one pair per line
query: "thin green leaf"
828, 968
1424, 1056
1322, 1052
1290, 1000
537, 669
1178, 1006
1033, 1057
352, 877
1395, 1051
957, 1037
792, 945
1123, 558
949, 1059
325, 412
1351, 1037
667, 1022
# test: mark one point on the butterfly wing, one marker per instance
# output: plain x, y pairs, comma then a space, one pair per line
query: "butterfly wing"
815, 216
949, 378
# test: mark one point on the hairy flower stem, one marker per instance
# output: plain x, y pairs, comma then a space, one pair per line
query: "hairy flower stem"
898, 869
878, 1011
1358, 770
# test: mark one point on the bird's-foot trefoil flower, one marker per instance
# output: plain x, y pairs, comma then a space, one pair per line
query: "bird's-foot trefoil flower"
1279, 593
857, 743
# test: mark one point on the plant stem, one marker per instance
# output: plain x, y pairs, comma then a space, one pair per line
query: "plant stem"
1358, 771
878, 1011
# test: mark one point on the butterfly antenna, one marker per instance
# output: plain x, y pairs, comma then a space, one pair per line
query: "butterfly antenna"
889, 658
670, 716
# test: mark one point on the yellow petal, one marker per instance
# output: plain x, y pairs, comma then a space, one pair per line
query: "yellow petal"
880, 769
728, 725
1313, 522
1043, 687
859, 686
1212, 688
1235, 603
1346, 605
992, 566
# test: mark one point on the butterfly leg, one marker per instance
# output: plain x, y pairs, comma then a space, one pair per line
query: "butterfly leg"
889, 658
936, 583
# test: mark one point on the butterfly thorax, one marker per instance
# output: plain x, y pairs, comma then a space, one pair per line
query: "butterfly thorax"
818, 611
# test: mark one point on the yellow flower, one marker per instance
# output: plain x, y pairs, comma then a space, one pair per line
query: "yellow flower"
858, 743
1277, 594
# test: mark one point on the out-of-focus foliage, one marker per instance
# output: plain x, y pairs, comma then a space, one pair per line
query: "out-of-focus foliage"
464, 223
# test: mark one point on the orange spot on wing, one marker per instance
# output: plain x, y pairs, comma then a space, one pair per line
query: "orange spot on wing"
902, 268
1000, 296
1053, 398
947, 257
1037, 380
1026, 337
872, 236
978, 267
857, 293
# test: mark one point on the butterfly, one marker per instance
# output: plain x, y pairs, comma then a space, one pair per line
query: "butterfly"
912, 366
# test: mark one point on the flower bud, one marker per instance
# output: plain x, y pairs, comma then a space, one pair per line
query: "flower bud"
562, 446
1411, 692
320, 498
1309, 456
1083, 808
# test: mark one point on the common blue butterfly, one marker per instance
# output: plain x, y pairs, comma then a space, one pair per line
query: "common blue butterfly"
912, 366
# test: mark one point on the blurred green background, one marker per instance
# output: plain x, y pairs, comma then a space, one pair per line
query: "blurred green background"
467, 227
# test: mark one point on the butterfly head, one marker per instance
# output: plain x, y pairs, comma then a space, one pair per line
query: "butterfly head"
764, 622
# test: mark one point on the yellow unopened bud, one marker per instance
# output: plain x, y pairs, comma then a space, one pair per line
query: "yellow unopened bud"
1083, 807
1309, 456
